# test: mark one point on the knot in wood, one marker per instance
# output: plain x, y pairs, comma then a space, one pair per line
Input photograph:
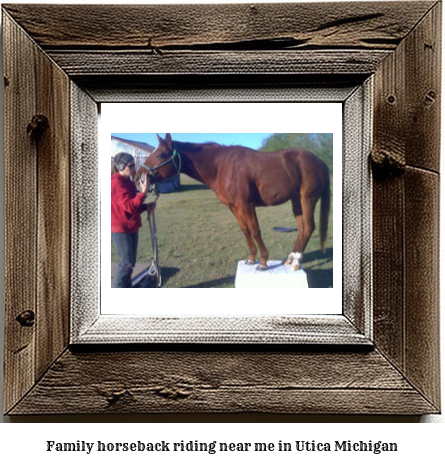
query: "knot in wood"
430, 97
112, 394
172, 393
386, 163
114, 397
37, 126
26, 318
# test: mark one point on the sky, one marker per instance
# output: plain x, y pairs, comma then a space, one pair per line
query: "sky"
253, 141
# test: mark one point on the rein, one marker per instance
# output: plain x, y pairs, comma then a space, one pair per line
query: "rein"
175, 159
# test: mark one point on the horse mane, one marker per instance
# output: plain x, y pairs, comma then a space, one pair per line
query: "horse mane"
193, 147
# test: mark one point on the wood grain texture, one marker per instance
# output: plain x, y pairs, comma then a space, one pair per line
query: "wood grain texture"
407, 113
129, 63
357, 209
106, 329
389, 151
164, 39
218, 381
84, 234
422, 364
20, 213
218, 87
37, 180
423, 92
157, 27
53, 222
406, 208
388, 268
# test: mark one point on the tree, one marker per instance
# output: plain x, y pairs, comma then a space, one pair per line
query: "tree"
321, 144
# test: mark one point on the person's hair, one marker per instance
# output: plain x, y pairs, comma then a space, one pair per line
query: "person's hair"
121, 160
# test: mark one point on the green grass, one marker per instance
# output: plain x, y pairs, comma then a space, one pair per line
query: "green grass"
200, 241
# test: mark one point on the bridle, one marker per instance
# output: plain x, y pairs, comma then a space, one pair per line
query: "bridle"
175, 159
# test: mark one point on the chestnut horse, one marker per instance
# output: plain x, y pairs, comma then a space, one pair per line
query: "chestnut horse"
243, 179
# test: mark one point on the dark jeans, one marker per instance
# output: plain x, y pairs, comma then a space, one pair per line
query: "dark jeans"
126, 245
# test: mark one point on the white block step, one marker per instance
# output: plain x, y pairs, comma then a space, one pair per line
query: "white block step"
276, 276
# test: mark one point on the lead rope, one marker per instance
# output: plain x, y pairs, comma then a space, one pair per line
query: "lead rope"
155, 269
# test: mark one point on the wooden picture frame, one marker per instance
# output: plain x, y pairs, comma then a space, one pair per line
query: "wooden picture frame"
64, 65
345, 316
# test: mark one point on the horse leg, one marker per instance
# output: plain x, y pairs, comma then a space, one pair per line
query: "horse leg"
298, 214
254, 229
304, 212
251, 260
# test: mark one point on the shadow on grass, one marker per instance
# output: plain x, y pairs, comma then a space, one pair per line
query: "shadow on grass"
220, 282
318, 255
319, 278
192, 187
168, 273
150, 281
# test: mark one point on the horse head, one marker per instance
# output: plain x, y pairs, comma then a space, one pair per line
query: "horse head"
163, 162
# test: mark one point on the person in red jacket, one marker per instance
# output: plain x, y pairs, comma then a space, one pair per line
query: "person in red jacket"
127, 205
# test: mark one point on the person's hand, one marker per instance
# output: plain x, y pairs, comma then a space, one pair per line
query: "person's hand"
144, 183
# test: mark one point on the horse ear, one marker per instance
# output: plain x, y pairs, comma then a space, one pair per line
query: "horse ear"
168, 140
159, 138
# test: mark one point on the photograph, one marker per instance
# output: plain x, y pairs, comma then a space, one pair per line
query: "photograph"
248, 215
213, 199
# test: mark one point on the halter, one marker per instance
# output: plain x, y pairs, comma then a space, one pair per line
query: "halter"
175, 159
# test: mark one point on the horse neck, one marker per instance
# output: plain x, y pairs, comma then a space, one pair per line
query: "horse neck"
200, 165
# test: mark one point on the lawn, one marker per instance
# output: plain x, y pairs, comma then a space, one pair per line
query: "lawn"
200, 241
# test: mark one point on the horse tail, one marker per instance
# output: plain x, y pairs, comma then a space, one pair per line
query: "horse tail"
324, 214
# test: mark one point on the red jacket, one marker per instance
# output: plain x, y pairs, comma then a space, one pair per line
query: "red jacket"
127, 204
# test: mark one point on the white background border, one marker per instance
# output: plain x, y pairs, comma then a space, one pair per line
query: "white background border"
227, 118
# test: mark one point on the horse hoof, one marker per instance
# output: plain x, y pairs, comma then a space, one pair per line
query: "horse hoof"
249, 262
261, 268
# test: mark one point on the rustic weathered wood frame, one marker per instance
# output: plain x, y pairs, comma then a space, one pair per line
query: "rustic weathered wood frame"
90, 323
65, 60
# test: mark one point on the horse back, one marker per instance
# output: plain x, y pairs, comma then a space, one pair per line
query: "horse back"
290, 173
305, 167
269, 178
